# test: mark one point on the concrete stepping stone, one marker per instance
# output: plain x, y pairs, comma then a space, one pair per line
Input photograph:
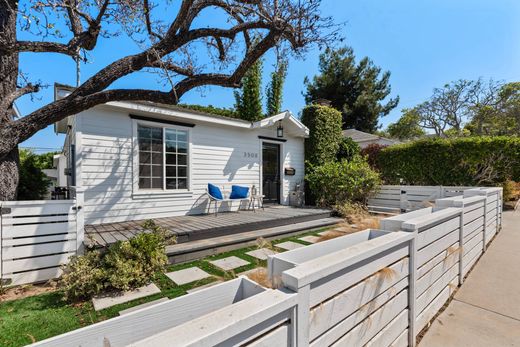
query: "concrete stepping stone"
229, 263
289, 245
106, 301
310, 238
146, 304
261, 253
196, 289
188, 275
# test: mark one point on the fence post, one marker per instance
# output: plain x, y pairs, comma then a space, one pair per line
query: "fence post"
302, 316
80, 220
461, 245
1, 243
403, 200
412, 270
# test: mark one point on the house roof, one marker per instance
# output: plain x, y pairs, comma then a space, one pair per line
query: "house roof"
361, 136
165, 111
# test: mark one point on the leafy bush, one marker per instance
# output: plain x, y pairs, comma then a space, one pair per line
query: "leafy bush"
337, 182
83, 276
348, 148
325, 136
371, 152
33, 183
469, 161
126, 265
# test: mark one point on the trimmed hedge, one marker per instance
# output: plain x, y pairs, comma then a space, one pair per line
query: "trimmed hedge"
458, 161
324, 124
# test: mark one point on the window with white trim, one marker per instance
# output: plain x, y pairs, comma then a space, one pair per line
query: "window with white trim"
163, 158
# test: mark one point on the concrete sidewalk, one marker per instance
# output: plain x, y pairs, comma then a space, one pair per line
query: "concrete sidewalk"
486, 309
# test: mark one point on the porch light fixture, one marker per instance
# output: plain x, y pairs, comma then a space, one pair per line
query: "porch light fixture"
279, 130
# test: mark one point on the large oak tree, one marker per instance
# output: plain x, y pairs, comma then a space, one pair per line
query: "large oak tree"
169, 40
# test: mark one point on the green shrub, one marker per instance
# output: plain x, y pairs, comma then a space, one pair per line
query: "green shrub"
83, 276
335, 183
325, 136
469, 161
348, 148
33, 183
126, 265
371, 152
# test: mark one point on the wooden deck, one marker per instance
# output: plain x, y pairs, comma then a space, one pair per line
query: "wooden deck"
200, 227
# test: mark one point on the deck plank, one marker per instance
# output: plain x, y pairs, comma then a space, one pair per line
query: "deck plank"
208, 225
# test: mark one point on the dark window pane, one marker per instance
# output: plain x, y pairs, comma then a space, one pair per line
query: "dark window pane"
170, 183
170, 135
157, 183
145, 183
157, 170
182, 171
157, 133
182, 147
157, 145
144, 157
144, 132
182, 159
144, 170
171, 147
170, 171
182, 183
157, 158
171, 159
144, 144
182, 136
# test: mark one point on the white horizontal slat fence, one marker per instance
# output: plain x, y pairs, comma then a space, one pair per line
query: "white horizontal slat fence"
37, 237
395, 198
372, 288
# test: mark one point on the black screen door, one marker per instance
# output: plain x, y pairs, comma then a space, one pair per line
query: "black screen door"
271, 172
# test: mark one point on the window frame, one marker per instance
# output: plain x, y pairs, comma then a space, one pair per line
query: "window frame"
135, 159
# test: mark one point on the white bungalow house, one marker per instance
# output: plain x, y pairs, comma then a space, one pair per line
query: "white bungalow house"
138, 160
364, 139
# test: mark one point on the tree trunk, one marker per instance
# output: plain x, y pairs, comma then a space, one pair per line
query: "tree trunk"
9, 175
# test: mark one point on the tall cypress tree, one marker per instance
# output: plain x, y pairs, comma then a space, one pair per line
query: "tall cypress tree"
248, 101
274, 90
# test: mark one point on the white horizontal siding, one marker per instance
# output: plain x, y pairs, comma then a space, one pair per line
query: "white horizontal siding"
217, 156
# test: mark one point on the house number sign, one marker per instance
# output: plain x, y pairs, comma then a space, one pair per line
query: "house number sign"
250, 155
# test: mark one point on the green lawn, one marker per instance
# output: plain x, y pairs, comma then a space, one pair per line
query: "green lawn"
35, 318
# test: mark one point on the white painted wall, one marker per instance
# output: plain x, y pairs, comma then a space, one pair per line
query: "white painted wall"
106, 165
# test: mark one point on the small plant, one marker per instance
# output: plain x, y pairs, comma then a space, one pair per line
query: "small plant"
83, 276
126, 265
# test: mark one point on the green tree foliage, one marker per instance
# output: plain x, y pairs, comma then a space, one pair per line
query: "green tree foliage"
33, 182
464, 161
355, 89
501, 117
463, 108
335, 183
323, 143
248, 100
348, 148
407, 127
274, 90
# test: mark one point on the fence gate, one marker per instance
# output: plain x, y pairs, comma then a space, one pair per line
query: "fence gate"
36, 238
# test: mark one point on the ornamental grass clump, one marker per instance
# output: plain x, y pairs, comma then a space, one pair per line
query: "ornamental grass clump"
126, 265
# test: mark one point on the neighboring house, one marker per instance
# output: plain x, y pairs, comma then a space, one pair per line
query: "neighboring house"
139, 160
57, 174
364, 139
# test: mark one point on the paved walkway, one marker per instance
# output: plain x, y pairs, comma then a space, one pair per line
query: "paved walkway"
486, 309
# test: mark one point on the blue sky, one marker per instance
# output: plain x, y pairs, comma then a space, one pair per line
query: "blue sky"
424, 44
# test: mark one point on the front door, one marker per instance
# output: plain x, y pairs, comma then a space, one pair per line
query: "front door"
271, 172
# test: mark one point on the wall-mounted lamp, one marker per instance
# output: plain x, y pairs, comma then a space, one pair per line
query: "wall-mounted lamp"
279, 130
